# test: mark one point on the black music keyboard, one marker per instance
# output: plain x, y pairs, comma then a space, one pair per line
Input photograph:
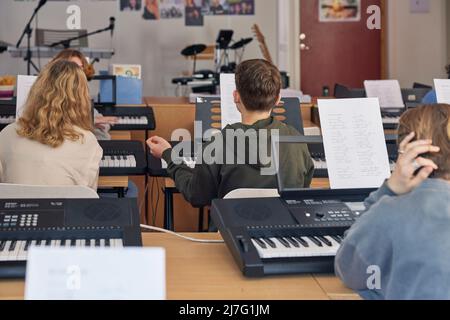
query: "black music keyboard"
317, 152
110, 223
130, 118
7, 114
122, 158
298, 235
158, 167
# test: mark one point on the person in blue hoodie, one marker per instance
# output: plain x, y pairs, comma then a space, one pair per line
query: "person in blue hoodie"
400, 248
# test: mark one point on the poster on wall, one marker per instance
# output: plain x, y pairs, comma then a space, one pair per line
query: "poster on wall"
171, 9
130, 5
339, 10
229, 7
151, 10
193, 13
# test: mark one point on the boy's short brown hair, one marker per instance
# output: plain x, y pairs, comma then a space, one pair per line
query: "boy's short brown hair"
259, 84
430, 122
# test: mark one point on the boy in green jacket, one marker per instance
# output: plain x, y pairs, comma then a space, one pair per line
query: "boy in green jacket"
258, 86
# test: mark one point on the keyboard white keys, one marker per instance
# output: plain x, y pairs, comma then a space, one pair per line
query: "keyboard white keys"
133, 121
7, 120
123, 161
116, 243
22, 254
320, 164
391, 120
14, 253
291, 251
4, 253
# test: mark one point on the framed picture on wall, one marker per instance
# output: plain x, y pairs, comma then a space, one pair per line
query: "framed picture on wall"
339, 10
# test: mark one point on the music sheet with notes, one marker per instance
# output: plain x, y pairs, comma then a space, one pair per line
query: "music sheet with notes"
230, 113
354, 141
24, 84
388, 92
442, 87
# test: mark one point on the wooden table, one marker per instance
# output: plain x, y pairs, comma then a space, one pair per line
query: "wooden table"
208, 272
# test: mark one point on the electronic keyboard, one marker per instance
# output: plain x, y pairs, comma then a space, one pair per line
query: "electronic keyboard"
317, 153
7, 114
112, 223
130, 118
295, 235
122, 158
158, 167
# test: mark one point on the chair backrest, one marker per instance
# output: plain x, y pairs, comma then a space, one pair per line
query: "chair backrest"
46, 37
252, 194
19, 191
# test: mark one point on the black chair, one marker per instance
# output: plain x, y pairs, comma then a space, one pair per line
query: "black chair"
418, 85
343, 92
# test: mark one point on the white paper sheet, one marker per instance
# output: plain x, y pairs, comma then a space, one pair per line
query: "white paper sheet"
95, 274
442, 87
387, 91
230, 113
354, 141
24, 84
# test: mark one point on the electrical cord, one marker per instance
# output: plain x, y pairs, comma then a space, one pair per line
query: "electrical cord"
143, 226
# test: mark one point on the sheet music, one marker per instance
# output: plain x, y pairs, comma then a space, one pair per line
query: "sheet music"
387, 91
229, 111
95, 274
354, 141
442, 87
24, 84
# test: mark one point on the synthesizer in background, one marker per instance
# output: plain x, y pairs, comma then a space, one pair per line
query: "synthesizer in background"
86, 223
295, 236
122, 158
130, 118
317, 152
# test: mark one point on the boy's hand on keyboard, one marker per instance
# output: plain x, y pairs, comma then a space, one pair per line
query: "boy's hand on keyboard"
157, 146
412, 169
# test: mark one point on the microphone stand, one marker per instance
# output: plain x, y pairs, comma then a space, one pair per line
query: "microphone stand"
66, 43
28, 32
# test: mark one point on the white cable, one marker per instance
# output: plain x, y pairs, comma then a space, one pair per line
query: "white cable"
143, 226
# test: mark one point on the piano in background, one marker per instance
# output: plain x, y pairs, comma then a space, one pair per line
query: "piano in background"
112, 223
317, 151
122, 158
131, 118
297, 234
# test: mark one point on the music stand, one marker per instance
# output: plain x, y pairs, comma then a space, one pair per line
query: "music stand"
222, 43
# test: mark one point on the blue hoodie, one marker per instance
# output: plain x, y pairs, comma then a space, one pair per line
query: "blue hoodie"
408, 238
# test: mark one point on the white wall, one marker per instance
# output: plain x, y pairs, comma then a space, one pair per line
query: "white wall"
154, 44
417, 43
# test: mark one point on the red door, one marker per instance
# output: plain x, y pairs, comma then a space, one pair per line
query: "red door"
337, 52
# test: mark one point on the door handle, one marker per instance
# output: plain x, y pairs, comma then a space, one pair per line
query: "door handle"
303, 46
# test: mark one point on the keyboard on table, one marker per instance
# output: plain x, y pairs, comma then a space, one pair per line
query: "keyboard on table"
158, 167
122, 158
112, 223
130, 118
317, 152
300, 234
7, 114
